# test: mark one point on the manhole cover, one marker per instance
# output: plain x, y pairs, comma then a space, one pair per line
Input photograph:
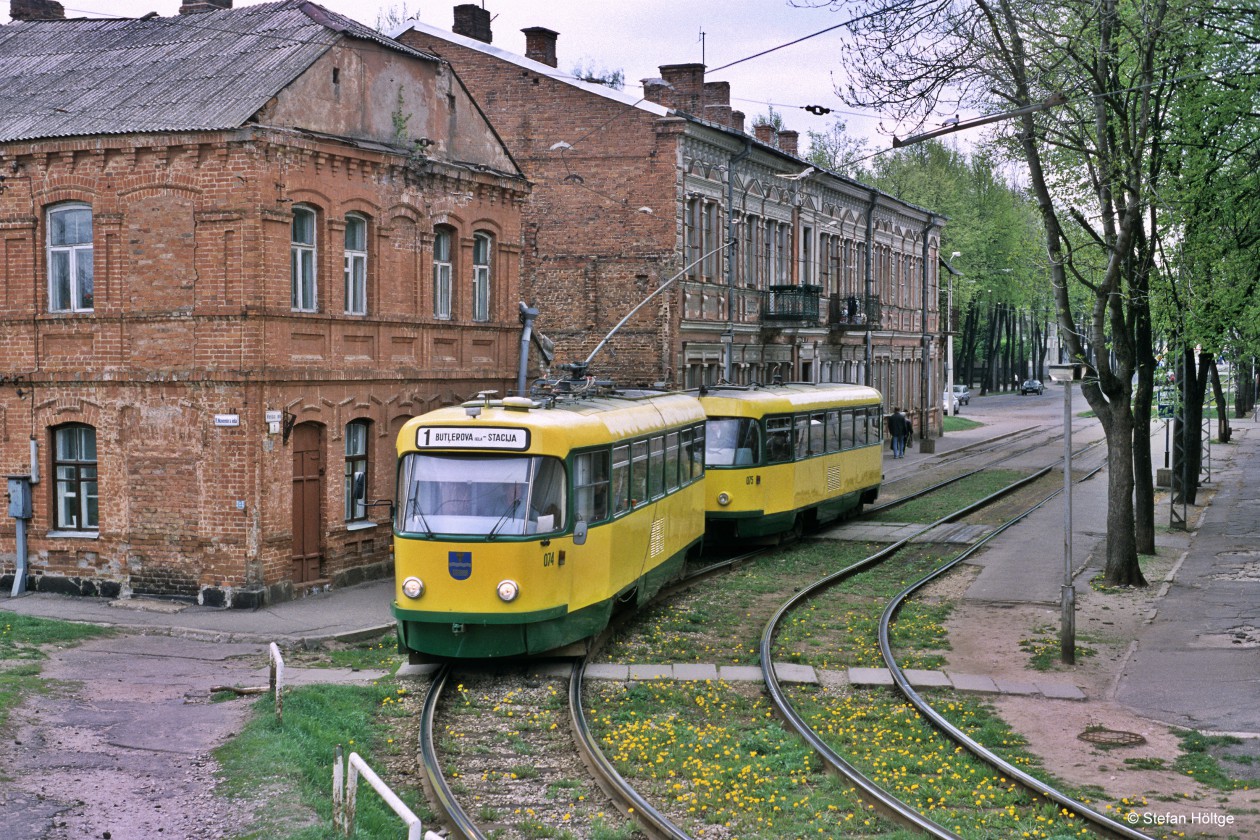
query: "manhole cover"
1112, 737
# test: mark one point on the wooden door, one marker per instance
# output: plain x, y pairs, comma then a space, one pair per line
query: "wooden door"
308, 495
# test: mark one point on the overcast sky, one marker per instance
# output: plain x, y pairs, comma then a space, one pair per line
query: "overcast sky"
636, 37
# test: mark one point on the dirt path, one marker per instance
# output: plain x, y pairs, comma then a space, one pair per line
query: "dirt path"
119, 746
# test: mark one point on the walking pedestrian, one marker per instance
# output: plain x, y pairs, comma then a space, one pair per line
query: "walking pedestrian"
898, 430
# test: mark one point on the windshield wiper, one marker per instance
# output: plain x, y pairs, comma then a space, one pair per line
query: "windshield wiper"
504, 518
415, 508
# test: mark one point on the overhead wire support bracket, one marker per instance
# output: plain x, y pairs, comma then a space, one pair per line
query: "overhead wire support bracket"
1054, 100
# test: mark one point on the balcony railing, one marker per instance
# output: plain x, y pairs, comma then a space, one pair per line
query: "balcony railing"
792, 304
854, 312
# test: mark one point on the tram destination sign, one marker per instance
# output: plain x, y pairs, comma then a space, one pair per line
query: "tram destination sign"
471, 437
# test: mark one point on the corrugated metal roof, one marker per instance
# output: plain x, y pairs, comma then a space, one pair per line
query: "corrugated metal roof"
205, 71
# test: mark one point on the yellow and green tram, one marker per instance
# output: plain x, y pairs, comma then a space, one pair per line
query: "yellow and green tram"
785, 458
519, 525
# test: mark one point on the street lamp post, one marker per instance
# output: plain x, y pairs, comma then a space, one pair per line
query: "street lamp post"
1067, 374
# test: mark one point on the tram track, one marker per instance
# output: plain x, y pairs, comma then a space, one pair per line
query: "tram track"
891, 806
655, 823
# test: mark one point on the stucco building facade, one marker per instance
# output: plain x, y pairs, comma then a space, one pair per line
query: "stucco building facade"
773, 268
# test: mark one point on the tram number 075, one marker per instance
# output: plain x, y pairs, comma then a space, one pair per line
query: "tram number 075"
752, 479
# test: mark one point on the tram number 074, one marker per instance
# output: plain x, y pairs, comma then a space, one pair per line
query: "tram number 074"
549, 559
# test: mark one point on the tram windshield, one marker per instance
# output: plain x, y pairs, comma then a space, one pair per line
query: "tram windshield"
483, 496
732, 442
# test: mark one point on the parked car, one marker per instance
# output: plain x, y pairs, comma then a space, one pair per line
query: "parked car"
963, 394
1031, 386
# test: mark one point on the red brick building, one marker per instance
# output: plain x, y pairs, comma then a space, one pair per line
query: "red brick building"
238, 249
785, 270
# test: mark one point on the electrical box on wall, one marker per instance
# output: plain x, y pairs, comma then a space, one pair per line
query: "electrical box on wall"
20, 496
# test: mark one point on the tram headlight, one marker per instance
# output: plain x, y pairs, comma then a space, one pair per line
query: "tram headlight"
413, 587
724, 499
508, 590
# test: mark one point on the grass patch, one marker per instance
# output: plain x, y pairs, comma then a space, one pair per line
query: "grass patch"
932, 507
713, 755
285, 770
955, 423
1200, 760
1045, 650
22, 640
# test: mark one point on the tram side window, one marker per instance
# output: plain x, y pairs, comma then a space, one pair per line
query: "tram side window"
692, 441
638, 472
817, 438
590, 486
672, 477
833, 431
656, 463
547, 498
875, 425
778, 439
621, 478
802, 436
847, 421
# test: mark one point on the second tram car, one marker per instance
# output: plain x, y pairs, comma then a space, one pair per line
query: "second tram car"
520, 524
784, 458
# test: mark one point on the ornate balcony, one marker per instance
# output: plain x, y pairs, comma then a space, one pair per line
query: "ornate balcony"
853, 313
786, 305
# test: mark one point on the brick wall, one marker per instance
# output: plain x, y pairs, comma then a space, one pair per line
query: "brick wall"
192, 319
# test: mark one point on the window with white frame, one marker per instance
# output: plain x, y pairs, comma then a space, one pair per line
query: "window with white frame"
356, 265
442, 273
356, 470
74, 475
70, 258
482, 243
302, 261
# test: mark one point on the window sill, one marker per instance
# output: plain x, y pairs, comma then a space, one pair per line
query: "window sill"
74, 535
360, 525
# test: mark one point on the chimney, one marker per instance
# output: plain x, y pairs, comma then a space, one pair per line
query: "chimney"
788, 141
717, 103
192, 7
472, 21
765, 133
36, 10
688, 83
737, 121
540, 45
658, 91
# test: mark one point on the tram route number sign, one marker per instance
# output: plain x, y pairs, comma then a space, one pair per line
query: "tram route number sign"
471, 437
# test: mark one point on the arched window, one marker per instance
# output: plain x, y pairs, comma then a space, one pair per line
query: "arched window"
356, 469
302, 259
442, 273
70, 258
482, 243
356, 265
74, 476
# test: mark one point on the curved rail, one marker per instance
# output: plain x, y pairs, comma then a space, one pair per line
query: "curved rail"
888, 804
440, 792
613, 784
938, 720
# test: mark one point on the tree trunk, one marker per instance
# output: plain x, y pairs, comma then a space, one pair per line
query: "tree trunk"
1121, 567
1222, 412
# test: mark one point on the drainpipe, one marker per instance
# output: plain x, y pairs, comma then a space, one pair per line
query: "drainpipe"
732, 249
925, 371
867, 377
